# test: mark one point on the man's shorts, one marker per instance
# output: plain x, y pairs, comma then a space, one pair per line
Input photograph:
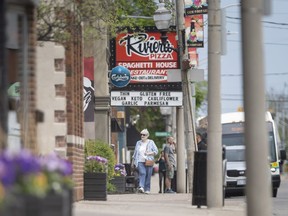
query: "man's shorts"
170, 173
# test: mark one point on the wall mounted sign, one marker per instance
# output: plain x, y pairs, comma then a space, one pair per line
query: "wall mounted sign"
146, 98
120, 76
154, 69
194, 31
88, 90
193, 7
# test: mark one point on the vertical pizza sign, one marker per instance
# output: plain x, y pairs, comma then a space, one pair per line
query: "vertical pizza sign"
146, 57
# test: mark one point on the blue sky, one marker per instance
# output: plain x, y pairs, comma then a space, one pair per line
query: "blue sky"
275, 40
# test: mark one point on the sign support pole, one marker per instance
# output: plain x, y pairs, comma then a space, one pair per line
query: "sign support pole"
181, 174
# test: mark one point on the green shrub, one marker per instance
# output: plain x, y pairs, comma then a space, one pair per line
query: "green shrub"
100, 148
110, 187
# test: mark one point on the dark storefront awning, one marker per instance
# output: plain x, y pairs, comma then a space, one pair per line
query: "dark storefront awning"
116, 125
133, 135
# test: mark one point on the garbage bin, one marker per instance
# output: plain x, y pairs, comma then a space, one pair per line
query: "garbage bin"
199, 195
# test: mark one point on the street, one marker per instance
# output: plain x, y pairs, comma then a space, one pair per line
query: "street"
279, 204
280, 207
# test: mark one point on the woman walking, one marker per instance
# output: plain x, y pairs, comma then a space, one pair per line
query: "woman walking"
145, 149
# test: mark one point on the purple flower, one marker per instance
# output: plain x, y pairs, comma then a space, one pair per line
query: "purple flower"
18, 171
119, 166
98, 159
15, 165
95, 163
27, 163
53, 163
66, 168
120, 170
7, 171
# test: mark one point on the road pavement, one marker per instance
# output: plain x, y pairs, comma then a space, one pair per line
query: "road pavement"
280, 207
155, 204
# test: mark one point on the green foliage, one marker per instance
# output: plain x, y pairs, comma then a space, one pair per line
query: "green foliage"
111, 187
201, 93
152, 119
55, 19
100, 148
53, 22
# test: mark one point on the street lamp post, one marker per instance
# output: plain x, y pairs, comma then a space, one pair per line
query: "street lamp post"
162, 18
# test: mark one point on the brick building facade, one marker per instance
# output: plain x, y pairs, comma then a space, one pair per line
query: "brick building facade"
21, 66
75, 115
60, 82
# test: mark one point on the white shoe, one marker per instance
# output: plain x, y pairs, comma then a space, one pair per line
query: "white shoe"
147, 192
140, 190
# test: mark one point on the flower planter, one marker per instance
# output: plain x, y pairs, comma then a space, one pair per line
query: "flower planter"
95, 186
119, 182
51, 205
32, 176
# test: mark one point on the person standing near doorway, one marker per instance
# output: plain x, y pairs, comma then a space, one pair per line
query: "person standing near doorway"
170, 163
201, 145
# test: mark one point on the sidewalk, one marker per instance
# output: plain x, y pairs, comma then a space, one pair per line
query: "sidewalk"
155, 204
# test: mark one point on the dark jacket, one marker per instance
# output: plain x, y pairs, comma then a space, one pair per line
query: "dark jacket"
162, 166
202, 145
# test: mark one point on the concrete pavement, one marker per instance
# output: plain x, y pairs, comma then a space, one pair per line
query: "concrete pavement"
155, 204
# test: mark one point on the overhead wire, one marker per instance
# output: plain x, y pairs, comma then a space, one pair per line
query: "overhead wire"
267, 74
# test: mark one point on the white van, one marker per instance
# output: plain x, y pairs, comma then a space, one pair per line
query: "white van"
235, 178
233, 135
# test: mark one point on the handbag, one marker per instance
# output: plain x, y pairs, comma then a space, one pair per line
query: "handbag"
149, 162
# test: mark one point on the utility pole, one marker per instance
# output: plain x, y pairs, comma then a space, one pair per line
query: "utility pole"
258, 187
190, 130
181, 121
214, 155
